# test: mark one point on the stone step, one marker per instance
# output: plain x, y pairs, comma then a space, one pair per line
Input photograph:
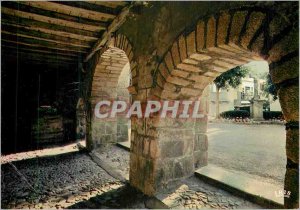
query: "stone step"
262, 193
125, 145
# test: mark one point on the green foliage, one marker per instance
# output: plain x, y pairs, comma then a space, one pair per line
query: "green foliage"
268, 115
235, 114
231, 78
270, 88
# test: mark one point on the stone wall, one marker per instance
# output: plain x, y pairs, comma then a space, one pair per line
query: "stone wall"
175, 56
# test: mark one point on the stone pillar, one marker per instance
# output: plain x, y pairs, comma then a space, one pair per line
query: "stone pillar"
176, 140
201, 141
289, 100
166, 150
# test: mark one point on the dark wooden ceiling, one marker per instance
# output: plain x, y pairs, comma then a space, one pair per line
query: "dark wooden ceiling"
56, 32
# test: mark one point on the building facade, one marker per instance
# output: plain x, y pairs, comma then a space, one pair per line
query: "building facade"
240, 97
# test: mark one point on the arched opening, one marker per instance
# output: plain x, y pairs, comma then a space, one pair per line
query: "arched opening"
248, 138
81, 121
124, 124
110, 82
215, 45
188, 80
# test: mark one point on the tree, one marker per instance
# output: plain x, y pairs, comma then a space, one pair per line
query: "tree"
270, 88
231, 78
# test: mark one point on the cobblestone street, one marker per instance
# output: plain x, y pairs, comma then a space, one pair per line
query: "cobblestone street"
68, 180
73, 180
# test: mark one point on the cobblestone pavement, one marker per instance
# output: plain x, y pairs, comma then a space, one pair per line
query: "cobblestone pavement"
70, 180
193, 193
73, 180
116, 157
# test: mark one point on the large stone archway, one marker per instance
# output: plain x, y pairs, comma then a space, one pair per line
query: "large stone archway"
176, 56
197, 56
105, 86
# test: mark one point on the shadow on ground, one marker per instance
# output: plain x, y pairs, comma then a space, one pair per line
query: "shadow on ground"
123, 197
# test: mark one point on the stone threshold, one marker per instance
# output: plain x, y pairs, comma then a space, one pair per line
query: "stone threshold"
253, 190
106, 167
125, 145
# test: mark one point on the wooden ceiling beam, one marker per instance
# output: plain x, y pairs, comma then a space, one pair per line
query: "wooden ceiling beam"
34, 58
50, 20
68, 10
92, 7
113, 4
39, 56
25, 47
23, 6
47, 31
23, 32
117, 22
45, 65
40, 43
9, 19
41, 52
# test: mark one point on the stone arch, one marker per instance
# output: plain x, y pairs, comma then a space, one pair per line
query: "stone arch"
198, 55
104, 87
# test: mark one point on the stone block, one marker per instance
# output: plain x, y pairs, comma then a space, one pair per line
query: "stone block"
200, 159
291, 185
166, 94
174, 133
154, 151
285, 71
164, 173
289, 101
160, 80
183, 166
180, 73
170, 87
200, 36
237, 25
223, 25
211, 32
201, 125
292, 145
188, 67
146, 147
288, 44
178, 81
163, 70
110, 127
122, 138
175, 53
182, 47
169, 61
191, 43
171, 149
254, 22
201, 142
188, 145
188, 92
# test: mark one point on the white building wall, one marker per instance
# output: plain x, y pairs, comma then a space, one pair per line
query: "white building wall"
275, 105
